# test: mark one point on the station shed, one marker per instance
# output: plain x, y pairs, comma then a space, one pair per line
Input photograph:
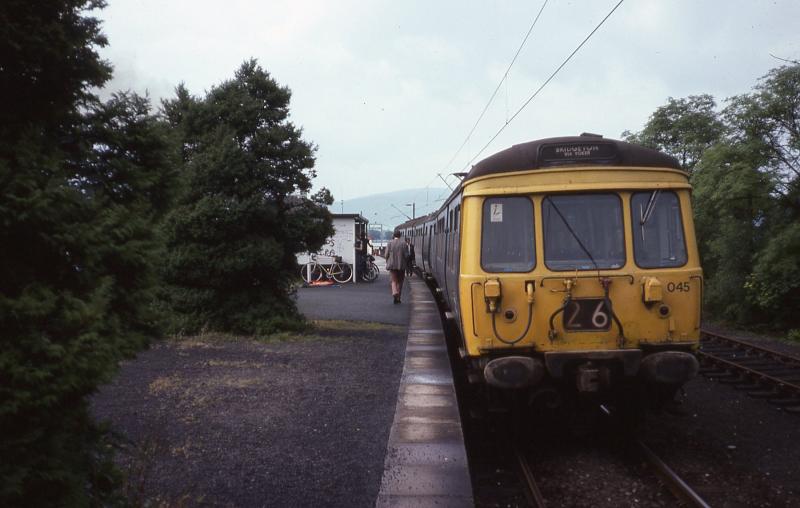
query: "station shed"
348, 228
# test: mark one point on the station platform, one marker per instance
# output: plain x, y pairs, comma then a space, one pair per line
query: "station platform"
364, 301
425, 462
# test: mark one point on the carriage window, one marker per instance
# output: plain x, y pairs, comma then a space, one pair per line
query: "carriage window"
657, 230
583, 232
507, 243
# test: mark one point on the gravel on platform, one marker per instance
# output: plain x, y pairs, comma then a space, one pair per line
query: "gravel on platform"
233, 422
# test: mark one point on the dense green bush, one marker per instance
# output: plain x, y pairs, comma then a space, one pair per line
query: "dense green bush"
243, 213
81, 186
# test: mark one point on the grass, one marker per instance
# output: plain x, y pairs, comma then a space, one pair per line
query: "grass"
361, 326
317, 330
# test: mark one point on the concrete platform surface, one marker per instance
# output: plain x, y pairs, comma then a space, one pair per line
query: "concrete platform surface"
365, 301
426, 463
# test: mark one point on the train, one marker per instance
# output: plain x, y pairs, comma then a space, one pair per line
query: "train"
569, 269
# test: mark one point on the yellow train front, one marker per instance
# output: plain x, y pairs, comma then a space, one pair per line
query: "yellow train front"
570, 266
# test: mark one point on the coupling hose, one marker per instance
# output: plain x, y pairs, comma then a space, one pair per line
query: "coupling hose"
527, 327
552, 333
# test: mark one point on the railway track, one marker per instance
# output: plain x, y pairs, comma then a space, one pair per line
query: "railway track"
674, 483
758, 371
531, 488
679, 488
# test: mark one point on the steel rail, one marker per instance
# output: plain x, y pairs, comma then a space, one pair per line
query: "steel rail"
750, 345
752, 372
532, 493
674, 483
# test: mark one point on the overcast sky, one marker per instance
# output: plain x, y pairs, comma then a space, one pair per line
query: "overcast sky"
389, 90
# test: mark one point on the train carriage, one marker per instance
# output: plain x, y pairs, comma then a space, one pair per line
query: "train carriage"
569, 263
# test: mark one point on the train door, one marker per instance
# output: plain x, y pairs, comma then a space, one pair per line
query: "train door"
445, 252
440, 236
454, 258
426, 258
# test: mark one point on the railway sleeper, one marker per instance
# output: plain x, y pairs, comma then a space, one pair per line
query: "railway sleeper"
763, 394
719, 351
788, 376
714, 366
781, 370
734, 379
743, 360
785, 401
727, 377
712, 371
748, 386
757, 362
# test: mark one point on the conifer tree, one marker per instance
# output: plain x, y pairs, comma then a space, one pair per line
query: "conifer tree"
81, 184
244, 213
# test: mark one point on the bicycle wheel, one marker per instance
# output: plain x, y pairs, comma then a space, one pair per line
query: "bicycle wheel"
371, 273
341, 272
316, 272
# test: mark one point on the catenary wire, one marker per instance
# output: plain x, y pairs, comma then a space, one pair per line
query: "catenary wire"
491, 99
494, 94
548, 80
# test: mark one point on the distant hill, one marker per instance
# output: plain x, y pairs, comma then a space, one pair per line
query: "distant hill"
378, 209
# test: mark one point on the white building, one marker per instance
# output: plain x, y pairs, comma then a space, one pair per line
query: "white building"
347, 227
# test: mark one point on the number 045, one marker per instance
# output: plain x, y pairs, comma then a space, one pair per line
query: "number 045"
680, 287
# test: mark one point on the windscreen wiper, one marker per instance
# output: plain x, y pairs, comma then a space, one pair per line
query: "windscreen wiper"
644, 215
572, 232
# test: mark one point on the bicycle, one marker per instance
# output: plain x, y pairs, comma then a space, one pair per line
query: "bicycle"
371, 272
338, 271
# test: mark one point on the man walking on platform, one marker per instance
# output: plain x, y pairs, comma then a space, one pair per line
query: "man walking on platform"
396, 260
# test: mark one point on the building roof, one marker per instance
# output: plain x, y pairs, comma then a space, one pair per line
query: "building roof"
356, 216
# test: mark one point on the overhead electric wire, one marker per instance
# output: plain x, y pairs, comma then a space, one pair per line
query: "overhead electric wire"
494, 94
553, 75
491, 99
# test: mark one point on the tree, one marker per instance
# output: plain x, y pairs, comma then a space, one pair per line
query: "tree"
244, 213
767, 124
730, 195
50, 65
683, 128
81, 184
745, 163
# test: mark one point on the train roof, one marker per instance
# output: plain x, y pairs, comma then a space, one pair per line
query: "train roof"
586, 149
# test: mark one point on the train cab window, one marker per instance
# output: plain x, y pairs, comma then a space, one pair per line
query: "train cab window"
658, 240
507, 242
583, 232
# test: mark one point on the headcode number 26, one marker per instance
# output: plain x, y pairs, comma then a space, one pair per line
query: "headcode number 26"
681, 287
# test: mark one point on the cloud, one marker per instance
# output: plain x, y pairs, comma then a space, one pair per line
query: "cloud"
389, 90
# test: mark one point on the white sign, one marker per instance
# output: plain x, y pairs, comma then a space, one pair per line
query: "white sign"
342, 243
496, 212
